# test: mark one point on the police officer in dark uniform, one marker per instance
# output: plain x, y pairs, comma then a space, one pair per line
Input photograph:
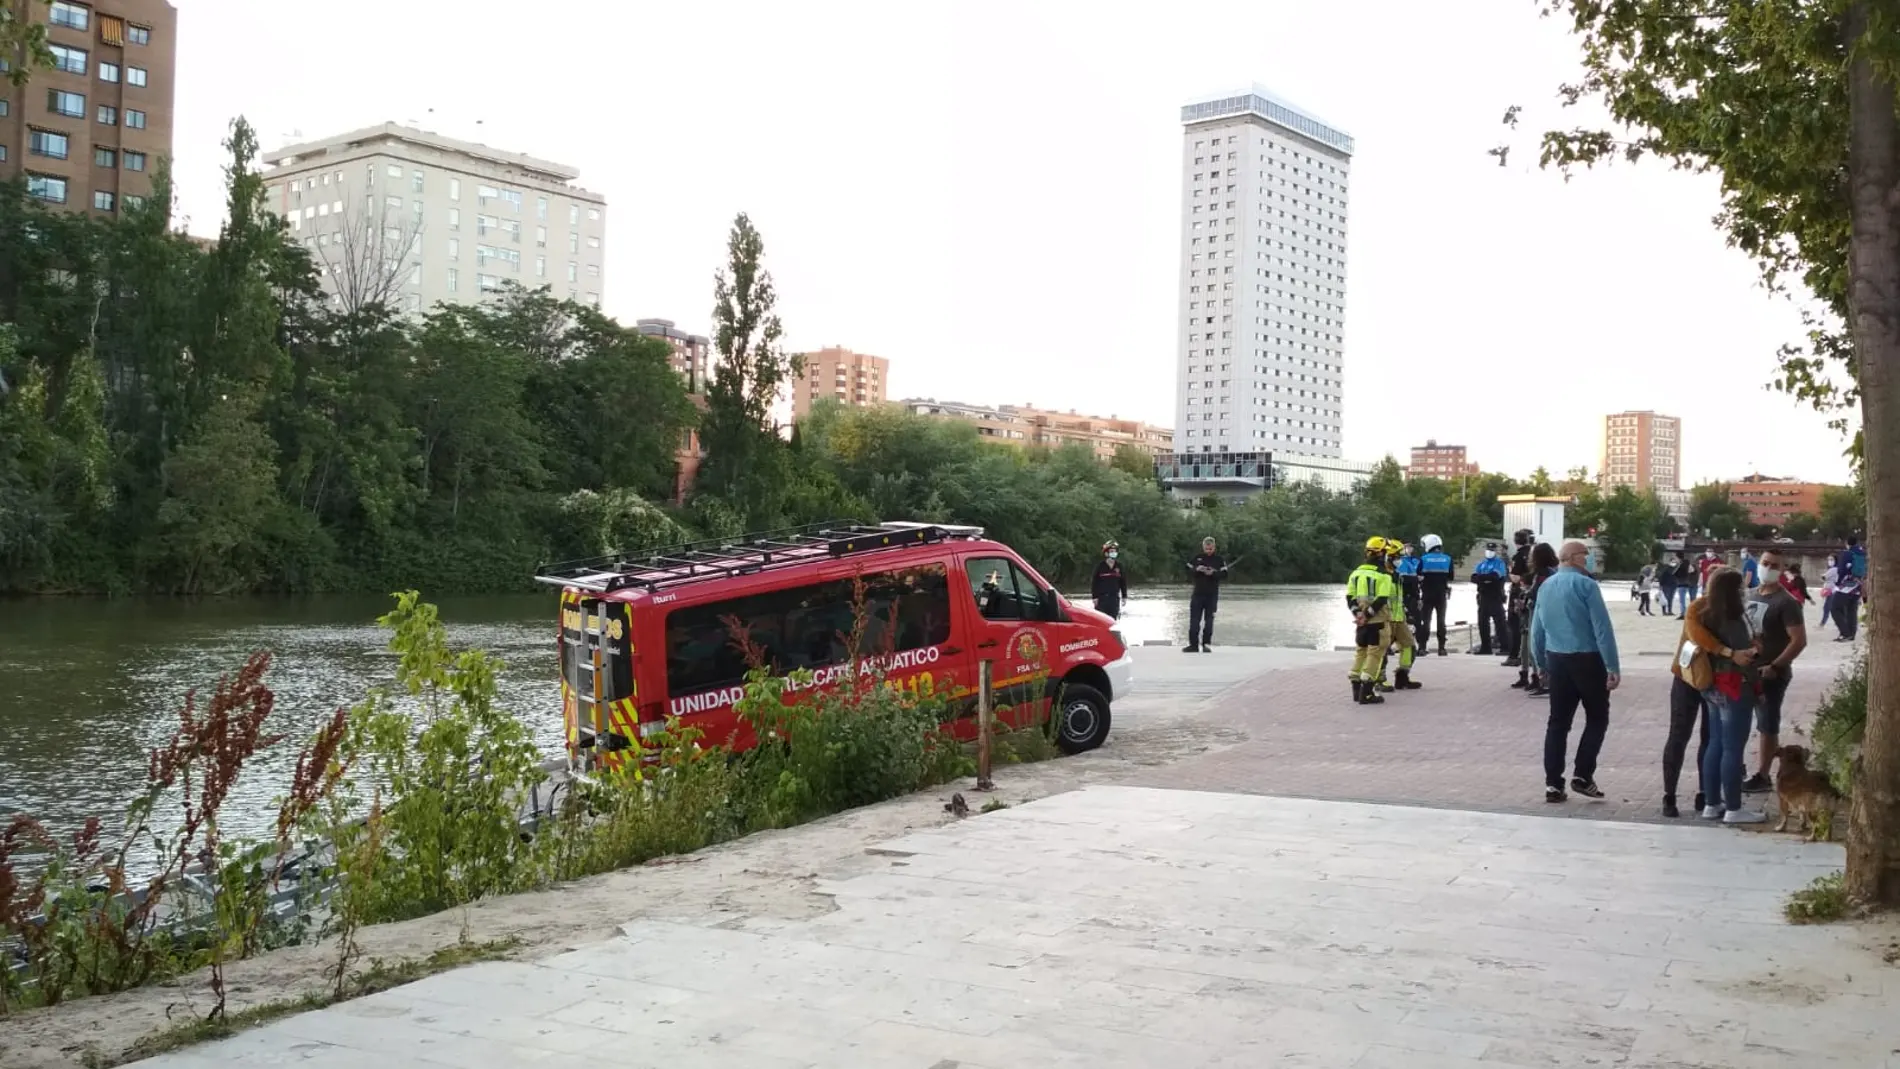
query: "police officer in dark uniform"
1492, 579
1434, 571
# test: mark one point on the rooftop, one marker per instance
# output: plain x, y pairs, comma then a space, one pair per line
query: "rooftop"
1257, 100
397, 134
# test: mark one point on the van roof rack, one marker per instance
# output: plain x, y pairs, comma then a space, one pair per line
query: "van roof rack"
714, 558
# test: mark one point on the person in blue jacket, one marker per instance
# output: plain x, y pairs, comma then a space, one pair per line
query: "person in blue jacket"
1491, 577
1434, 570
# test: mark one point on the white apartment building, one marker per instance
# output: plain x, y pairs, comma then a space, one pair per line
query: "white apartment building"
412, 219
1263, 277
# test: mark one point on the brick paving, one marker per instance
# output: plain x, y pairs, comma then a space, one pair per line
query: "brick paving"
1466, 741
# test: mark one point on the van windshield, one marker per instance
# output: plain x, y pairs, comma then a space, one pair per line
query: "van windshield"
805, 627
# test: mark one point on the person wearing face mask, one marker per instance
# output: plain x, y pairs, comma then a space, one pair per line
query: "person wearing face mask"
1434, 569
1490, 578
1109, 587
1779, 627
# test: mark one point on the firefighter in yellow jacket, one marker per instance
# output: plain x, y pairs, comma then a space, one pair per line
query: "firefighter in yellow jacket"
1399, 626
1371, 597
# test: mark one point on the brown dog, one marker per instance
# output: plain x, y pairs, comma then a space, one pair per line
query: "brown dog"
1802, 791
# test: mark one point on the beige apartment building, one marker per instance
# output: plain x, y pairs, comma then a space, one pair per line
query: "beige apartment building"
1643, 451
855, 379
87, 133
1024, 425
691, 353
409, 218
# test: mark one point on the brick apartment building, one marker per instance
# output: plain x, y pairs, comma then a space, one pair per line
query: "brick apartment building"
854, 379
1024, 425
1770, 500
88, 133
1434, 461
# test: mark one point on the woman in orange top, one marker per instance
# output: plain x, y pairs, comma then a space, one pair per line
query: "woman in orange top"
1687, 710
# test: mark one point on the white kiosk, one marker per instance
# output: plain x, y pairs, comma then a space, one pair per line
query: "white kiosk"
1542, 516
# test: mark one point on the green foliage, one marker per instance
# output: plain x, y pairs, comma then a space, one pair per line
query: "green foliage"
204, 420
1627, 525
1840, 725
1820, 902
745, 465
1714, 513
455, 769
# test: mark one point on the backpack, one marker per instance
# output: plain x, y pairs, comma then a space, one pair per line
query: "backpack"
1858, 557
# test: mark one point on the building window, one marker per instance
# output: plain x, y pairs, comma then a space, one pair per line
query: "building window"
541, 236
455, 217
455, 248
105, 157
487, 283
6, 108
130, 202
70, 60
455, 279
134, 119
135, 76
540, 267
541, 207
108, 72
455, 189
138, 35
573, 215
593, 299
60, 102
394, 204
573, 272
134, 161
593, 270
593, 215
102, 200
395, 170
71, 16
46, 187
47, 143
573, 243
415, 181
593, 243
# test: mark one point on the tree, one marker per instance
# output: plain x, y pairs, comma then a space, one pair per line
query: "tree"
1843, 512
370, 256
1135, 461
1626, 529
22, 35
1793, 103
744, 455
1802, 527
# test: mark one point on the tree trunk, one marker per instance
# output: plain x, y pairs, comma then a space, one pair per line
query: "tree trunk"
1873, 843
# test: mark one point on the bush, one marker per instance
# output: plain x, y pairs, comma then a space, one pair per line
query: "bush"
1840, 723
1819, 902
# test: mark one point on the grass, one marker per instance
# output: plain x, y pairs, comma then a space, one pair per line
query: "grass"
994, 804
1821, 902
380, 976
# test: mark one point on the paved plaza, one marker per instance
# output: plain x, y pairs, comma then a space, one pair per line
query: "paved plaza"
1119, 926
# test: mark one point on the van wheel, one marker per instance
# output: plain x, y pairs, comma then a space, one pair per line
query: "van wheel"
1081, 718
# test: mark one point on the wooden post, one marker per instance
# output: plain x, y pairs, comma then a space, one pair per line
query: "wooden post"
984, 717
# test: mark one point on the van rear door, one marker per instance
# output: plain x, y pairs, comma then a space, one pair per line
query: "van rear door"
597, 672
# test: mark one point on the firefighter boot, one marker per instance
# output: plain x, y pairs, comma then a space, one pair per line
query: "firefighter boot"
1405, 680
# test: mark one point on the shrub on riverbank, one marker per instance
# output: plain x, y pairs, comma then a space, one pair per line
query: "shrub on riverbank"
412, 802
1840, 723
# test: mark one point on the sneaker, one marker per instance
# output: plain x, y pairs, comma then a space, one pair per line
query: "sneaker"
1586, 787
1745, 816
1190, 649
1757, 784
1669, 807
1711, 812
1554, 794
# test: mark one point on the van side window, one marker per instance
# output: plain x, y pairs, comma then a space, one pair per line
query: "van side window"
1001, 589
806, 627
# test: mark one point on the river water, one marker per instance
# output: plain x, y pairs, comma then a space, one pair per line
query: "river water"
89, 686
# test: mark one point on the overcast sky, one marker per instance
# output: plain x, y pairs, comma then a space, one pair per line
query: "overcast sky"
987, 192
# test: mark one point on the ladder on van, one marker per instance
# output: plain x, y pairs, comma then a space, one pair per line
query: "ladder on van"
586, 685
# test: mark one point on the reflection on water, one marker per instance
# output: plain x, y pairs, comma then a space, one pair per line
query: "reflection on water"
88, 687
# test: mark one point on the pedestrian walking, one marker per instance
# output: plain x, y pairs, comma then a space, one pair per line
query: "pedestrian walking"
1109, 587
1573, 643
1685, 581
1849, 585
1779, 627
1208, 571
1731, 697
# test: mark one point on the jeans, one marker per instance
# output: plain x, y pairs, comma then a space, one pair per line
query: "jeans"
1575, 679
1668, 599
1201, 619
1686, 711
1724, 761
1847, 613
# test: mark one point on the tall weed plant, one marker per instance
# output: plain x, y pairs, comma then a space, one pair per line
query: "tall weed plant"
1840, 723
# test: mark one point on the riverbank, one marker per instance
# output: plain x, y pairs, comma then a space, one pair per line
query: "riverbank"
770, 874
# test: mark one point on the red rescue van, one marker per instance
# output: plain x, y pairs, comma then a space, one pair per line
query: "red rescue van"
645, 638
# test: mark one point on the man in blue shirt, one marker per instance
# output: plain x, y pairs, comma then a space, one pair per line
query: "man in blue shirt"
1490, 577
1573, 645
1751, 570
